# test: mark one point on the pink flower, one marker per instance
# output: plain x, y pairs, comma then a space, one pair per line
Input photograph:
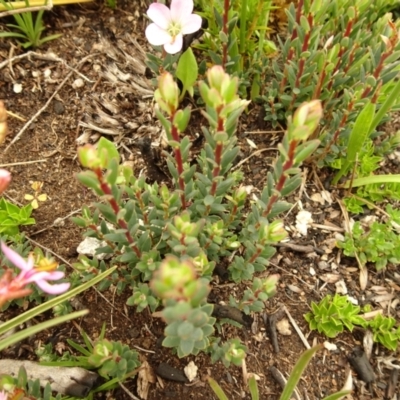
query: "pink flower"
169, 25
3, 395
5, 179
29, 274
8, 291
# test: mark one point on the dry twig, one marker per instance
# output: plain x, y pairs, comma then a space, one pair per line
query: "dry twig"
297, 328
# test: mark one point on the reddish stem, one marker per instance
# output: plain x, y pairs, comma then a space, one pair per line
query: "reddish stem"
217, 168
179, 161
254, 256
279, 186
114, 205
225, 30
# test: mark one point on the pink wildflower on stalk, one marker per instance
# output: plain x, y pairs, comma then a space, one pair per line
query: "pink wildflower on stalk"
29, 274
8, 291
5, 179
169, 25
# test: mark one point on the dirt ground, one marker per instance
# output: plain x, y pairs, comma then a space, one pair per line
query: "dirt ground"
65, 87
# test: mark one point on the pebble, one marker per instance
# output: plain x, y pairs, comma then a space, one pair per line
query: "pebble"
58, 107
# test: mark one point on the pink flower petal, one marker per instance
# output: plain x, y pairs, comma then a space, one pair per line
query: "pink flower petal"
53, 289
181, 10
159, 14
55, 276
5, 179
16, 259
191, 24
175, 47
156, 35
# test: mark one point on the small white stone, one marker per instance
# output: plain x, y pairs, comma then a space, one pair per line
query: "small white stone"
341, 287
35, 74
191, 371
303, 221
330, 346
47, 73
17, 88
78, 83
352, 300
283, 327
59, 222
312, 271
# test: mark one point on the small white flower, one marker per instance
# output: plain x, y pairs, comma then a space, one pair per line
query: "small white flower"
169, 25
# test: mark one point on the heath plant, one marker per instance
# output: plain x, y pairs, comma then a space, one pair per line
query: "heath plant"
344, 53
168, 238
236, 38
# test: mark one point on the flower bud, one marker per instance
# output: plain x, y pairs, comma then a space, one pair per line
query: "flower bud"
169, 91
215, 77
88, 156
307, 115
277, 231
171, 278
5, 179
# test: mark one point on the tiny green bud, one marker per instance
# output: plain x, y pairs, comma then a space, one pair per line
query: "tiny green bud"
171, 278
351, 12
277, 231
89, 157
215, 76
181, 119
307, 115
169, 90
269, 284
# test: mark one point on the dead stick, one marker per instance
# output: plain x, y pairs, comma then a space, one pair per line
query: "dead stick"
297, 329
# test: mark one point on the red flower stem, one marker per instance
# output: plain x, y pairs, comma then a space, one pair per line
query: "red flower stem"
217, 168
321, 78
217, 153
279, 186
114, 205
225, 30
254, 256
179, 161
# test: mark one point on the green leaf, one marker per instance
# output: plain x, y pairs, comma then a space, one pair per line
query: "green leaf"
359, 134
337, 395
187, 71
217, 389
107, 151
253, 388
16, 337
373, 179
297, 372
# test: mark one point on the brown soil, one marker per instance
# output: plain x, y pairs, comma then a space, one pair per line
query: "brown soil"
98, 35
